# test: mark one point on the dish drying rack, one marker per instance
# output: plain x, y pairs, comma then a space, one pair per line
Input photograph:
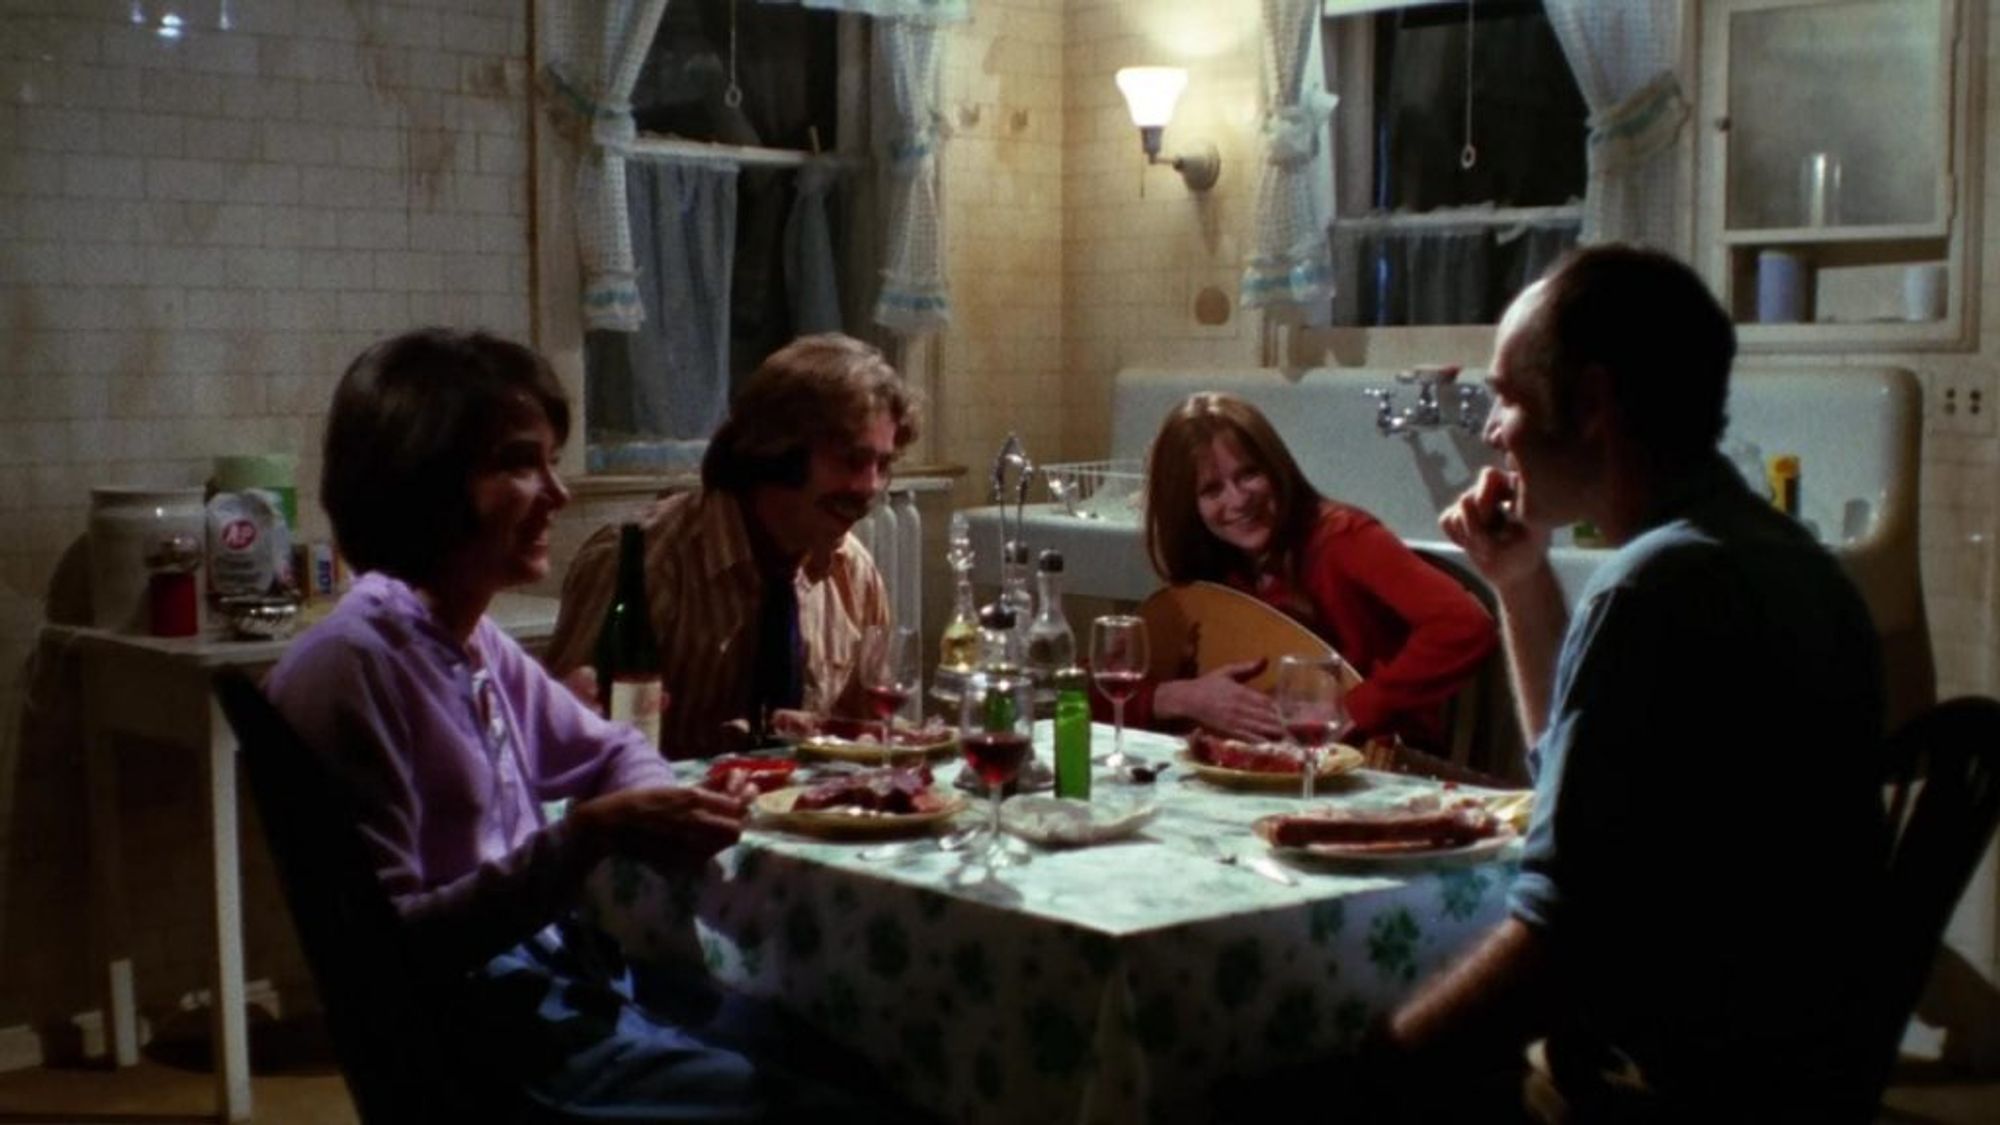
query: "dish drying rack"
1114, 489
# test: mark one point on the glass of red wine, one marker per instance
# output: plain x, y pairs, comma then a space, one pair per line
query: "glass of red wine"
995, 732
1311, 700
1118, 662
891, 673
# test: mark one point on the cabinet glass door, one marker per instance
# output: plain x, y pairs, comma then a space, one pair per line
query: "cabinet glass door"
1836, 115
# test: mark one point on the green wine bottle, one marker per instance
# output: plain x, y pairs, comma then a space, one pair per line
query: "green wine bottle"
628, 655
1072, 733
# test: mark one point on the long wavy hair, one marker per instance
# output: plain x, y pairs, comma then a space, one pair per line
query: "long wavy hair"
812, 389
1180, 545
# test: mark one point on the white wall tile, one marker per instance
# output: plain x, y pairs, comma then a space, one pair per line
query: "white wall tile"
99, 87
175, 91
264, 268
214, 52
374, 229
145, 134
31, 173
302, 227
223, 139
32, 264
412, 272
212, 309
267, 183
199, 180
263, 98
103, 263
370, 148
104, 177
44, 129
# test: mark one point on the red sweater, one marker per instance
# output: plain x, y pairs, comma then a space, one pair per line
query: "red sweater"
1415, 635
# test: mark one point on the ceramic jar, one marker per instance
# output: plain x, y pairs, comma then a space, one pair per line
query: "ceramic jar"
126, 524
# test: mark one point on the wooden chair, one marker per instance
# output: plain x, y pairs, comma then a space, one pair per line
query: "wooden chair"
1944, 803
1483, 727
381, 999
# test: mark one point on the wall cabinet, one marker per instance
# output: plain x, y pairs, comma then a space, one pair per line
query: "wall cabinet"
1838, 138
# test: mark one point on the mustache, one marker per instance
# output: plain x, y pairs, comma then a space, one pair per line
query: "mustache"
849, 505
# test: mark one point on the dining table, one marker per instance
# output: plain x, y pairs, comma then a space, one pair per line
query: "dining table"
1118, 981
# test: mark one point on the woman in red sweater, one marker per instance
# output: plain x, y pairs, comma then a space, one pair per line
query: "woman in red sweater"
1227, 503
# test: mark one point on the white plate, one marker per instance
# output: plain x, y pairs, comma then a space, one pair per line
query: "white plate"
1364, 855
1068, 822
1336, 760
868, 752
775, 809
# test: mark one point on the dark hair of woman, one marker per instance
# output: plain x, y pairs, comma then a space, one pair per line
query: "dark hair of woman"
411, 419
1181, 547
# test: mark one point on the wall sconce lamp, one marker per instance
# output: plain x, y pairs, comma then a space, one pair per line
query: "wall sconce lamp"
1150, 93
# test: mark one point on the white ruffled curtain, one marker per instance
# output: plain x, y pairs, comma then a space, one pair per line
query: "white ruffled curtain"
596, 50
1290, 263
1624, 56
909, 130
812, 276
933, 11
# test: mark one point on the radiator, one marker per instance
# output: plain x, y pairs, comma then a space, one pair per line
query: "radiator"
894, 534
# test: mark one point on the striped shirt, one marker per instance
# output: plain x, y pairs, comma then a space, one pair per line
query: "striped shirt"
704, 588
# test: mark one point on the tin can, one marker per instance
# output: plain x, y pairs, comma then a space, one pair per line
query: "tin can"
173, 602
324, 570
1783, 477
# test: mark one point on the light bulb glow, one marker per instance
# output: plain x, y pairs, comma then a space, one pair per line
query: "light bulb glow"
1151, 92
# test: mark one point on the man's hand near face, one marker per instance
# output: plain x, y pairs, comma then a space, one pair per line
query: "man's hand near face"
1505, 551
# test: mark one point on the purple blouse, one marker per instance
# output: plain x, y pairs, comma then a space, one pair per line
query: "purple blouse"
451, 751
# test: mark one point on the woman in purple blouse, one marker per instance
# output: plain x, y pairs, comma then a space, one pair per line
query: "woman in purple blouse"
439, 478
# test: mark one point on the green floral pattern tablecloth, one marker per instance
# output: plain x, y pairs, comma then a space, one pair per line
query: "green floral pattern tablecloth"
1110, 983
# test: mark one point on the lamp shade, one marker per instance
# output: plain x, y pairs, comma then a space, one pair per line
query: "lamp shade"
1151, 92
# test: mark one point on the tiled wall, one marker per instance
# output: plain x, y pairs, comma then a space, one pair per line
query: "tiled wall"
1141, 249
1001, 366
197, 232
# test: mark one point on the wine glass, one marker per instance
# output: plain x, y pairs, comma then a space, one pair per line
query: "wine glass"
1118, 663
891, 673
995, 713
1311, 703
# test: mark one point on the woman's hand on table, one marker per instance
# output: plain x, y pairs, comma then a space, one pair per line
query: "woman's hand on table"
672, 827
1220, 702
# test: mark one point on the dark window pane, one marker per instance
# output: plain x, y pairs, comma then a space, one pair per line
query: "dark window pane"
1527, 115
787, 63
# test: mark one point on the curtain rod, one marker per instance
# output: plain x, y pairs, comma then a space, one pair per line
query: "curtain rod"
1464, 216
750, 156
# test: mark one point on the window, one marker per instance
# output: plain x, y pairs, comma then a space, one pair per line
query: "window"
1435, 224
742, 238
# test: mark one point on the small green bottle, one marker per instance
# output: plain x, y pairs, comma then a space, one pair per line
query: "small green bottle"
1072, 734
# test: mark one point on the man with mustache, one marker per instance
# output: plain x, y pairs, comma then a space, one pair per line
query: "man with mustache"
759, 596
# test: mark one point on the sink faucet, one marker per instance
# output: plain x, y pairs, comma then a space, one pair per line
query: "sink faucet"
1012, 457
1427, 414
1474, 403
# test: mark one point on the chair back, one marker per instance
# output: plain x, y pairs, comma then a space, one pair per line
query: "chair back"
1944, 804
382, 1009
1482, 726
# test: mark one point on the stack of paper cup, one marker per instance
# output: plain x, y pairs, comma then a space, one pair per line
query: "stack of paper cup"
1923, 292
1781, 287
